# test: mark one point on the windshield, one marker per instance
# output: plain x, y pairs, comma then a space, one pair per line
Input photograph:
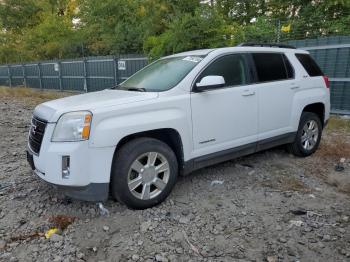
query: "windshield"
162, 75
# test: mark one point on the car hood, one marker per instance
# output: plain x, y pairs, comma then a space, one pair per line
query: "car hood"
52, 110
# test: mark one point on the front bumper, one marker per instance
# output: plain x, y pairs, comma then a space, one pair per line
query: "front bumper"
90, 192
90, 167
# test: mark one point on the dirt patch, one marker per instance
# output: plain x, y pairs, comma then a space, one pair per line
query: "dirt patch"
31, 96
270, 206
285, 183
335, 147
61, 221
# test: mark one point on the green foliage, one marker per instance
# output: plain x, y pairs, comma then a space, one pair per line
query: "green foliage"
112, 26
40, 29
204, 29
17, 14
242, 11
54, 37
46, 29
262, 30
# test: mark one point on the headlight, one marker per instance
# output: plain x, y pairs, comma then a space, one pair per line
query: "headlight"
74, 126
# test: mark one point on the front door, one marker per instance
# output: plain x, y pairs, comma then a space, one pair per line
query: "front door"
225, 117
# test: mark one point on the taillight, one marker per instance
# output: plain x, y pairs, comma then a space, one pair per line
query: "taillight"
326, 81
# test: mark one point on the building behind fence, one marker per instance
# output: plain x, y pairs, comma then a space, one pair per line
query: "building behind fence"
97, 73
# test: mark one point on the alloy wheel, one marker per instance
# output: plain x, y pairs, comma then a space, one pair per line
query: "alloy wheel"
148, 175
309, 135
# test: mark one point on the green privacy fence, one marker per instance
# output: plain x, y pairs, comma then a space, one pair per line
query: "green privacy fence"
97, 73
333, 56
82, 75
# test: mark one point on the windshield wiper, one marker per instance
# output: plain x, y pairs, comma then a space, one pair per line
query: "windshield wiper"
138, 89
115, 87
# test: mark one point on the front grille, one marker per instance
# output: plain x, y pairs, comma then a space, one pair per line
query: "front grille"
36, 134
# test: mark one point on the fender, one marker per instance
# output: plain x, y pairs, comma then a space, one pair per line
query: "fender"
306, 97
109, 130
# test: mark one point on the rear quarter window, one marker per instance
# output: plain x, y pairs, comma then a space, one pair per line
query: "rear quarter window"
309, 65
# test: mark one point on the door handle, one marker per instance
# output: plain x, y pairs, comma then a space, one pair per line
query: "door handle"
248, 93
294, 87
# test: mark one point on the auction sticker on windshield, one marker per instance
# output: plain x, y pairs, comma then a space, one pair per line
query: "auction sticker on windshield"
194, 59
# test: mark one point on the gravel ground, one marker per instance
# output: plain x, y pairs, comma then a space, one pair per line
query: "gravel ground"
269, 206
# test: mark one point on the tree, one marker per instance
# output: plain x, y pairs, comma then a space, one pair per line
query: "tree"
71, 28
56, 38
28, 24
18, 14
241, 11
112, 26
204, 29
118, 26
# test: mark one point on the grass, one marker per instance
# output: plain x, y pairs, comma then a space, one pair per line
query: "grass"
337, 123
335, 143
284, 181
334, 147
33, 96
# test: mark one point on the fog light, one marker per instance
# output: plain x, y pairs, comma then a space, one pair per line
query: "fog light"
65, 167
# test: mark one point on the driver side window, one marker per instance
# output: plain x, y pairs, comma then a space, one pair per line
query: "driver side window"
231, 67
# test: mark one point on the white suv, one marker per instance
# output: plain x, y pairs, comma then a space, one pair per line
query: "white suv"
180, 113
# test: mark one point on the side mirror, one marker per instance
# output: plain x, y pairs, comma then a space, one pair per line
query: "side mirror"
210, 82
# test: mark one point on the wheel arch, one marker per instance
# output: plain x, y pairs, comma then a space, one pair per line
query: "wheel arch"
316, 108
169, 136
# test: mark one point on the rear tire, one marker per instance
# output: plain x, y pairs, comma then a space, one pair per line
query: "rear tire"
144, 172
308, 136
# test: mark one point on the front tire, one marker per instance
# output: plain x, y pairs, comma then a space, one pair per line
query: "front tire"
308, 136
144, 172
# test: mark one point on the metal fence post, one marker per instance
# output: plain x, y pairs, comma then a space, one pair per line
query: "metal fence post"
116, 72
24, 75
59, 75
278, 30
9, 75
39, 75
85, 76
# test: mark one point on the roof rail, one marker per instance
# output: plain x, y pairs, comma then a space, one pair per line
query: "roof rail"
268, 45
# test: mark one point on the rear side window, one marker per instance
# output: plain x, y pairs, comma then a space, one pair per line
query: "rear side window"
231, 67
272, 67
309, 64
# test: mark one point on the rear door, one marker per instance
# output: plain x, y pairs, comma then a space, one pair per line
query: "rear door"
276, 87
